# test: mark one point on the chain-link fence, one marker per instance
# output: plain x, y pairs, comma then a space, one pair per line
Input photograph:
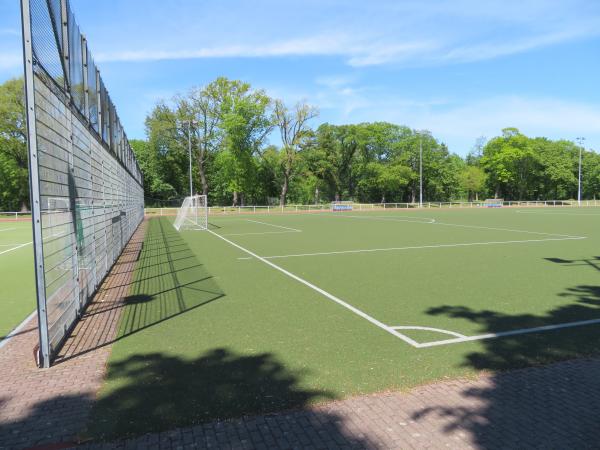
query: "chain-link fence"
86, 185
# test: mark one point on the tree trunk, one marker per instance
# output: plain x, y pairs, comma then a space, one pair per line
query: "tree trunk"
235, 198
383, 198
202, 171
337, 196
284, 189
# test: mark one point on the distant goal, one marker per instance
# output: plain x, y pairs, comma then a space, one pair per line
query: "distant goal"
193, 214
341, 206
493, 203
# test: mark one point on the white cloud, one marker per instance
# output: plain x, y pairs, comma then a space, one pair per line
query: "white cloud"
363, 34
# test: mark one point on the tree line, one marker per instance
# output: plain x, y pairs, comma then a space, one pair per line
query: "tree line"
231, 127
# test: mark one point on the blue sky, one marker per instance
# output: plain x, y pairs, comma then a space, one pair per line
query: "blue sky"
460, 68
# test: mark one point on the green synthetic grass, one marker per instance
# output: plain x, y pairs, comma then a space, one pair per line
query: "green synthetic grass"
17, 291
207, 335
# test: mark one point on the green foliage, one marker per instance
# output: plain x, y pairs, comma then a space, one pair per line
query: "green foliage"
472, 181
14, 188
228, 123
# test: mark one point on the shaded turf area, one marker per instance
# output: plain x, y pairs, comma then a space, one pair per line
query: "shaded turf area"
17, 292
212, 332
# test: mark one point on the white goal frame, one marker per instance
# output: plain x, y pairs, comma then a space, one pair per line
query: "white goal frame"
342, 206
193, 214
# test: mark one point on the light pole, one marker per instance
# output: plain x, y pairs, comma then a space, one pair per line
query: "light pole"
580, 140
189, 127
420, 171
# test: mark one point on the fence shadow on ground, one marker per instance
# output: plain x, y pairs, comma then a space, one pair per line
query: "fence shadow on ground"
548, 406
169, 281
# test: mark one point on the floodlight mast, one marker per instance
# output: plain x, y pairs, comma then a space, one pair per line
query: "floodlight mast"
189, 127
420, 133
580, 140
420, 172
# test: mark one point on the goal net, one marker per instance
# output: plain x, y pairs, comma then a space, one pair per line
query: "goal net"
193, 214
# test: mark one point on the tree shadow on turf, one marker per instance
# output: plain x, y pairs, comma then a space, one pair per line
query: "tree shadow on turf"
157, 392
545, 406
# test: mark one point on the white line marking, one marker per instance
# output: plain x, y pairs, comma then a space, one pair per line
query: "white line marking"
272, 225
7, 229
323, 292
508, 333
555, 213
259, 233
437, 330
390, 249
506, 229
390, 219
434, 222
15, 248
15, 331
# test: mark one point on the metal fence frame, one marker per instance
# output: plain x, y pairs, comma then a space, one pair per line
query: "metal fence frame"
84, 178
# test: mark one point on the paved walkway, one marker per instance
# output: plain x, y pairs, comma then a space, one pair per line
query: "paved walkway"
553, 407
41, 407
556, 406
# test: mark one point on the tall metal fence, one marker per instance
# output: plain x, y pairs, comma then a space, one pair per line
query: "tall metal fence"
86, 185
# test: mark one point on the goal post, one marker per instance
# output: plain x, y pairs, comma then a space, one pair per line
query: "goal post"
193, 214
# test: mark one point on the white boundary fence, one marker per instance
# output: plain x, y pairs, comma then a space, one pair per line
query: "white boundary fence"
14, 216
259, 209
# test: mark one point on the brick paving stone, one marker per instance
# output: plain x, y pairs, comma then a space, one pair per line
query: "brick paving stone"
46, 406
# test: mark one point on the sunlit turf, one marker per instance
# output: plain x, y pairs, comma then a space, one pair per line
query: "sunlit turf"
17, 289
212, 332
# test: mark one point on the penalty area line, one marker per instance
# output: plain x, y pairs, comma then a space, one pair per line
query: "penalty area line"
324, 293
276, 226
390, 249
259, 233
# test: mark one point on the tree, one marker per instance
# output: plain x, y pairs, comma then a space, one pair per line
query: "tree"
14, 184
246, 124
472, 181
293, 129
201, 113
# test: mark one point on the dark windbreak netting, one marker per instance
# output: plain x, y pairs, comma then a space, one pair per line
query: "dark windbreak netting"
93, 92
76, 65
89, 196
46, 48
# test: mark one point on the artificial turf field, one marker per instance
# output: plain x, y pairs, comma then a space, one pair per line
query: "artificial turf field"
17, 294
267, 312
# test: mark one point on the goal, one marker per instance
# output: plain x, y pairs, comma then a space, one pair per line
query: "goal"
193, 214
342, 206
493, 203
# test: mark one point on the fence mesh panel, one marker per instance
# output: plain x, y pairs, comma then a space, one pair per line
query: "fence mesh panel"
86, 184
